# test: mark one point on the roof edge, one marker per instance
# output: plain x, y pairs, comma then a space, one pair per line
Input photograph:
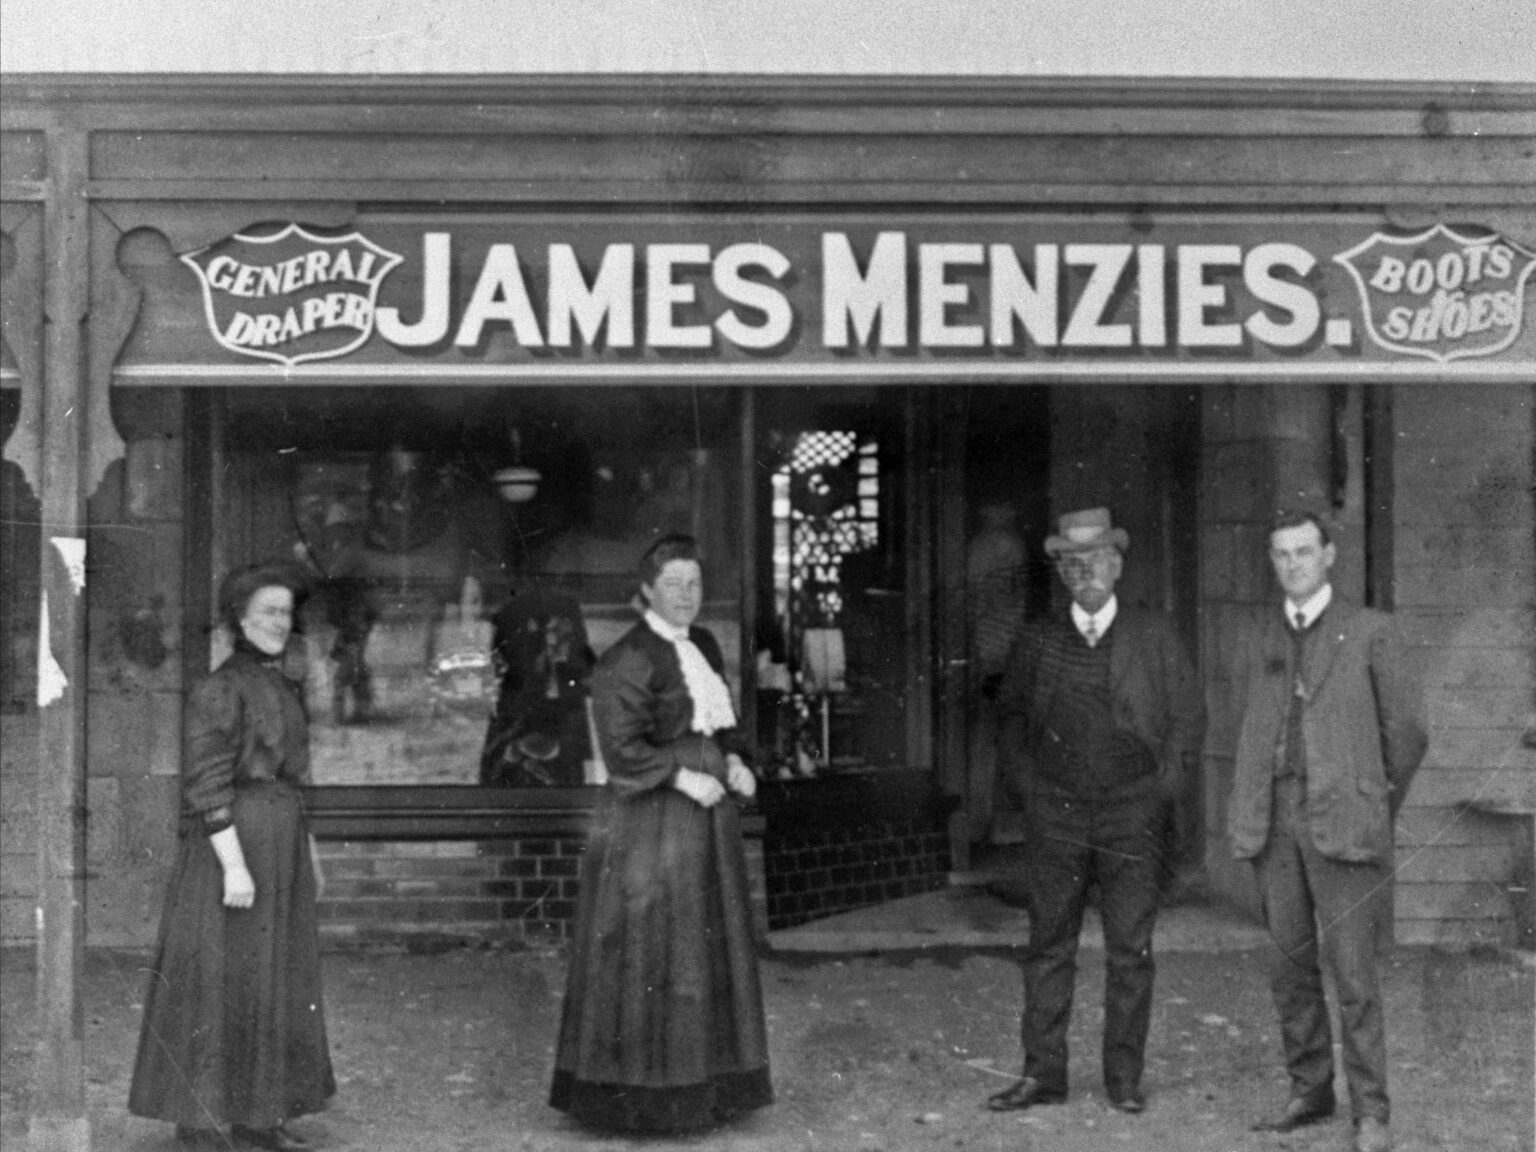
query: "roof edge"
684, 89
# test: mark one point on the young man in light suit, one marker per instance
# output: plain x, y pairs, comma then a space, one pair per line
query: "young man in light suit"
1331, 734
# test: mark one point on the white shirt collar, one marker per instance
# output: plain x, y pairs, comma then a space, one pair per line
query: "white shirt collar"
1102, 619
712, 706
1312, 609
663, 629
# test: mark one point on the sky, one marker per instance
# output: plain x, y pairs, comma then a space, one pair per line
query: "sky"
1367, 40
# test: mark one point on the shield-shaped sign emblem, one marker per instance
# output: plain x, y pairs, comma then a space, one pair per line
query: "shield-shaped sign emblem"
1443, 294
291, 295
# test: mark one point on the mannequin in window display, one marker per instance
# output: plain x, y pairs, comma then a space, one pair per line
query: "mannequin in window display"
538, 732
995, 577
330, 512
662, 1028
350, 611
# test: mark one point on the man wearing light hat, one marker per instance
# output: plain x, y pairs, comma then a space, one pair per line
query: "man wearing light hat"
1102, 717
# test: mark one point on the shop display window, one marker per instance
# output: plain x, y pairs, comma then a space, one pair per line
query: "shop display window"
832, 671
468, 554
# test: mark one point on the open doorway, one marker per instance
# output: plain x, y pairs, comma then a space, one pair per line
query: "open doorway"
1032, 453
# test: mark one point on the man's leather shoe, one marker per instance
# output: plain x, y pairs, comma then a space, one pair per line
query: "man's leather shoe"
275, 1139
1372, 1135
1299, 1112
1131, 1101
1027, 1093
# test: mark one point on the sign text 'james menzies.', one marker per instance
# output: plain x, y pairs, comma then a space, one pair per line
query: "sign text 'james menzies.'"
627, 290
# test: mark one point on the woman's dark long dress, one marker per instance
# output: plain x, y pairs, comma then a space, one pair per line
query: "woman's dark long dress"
662, 1027
234, 1025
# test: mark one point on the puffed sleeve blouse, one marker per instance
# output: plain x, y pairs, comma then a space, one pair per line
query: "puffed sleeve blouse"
245, 723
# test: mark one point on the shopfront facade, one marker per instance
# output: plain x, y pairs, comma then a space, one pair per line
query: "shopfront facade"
458, 350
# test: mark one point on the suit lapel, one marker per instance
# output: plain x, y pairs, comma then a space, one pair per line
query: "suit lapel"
1333, 629
1274, 656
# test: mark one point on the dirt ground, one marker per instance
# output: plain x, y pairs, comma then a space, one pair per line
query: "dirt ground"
450, 1051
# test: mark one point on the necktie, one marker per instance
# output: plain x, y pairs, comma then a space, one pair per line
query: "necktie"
1090, 634
1295, 763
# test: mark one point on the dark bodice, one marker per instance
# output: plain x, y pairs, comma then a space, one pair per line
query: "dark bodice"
644, 713
245, 726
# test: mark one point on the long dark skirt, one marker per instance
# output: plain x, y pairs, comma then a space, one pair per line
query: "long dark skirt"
662, 1028
234, 1025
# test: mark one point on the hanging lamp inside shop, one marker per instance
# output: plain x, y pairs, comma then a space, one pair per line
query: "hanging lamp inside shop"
517, 483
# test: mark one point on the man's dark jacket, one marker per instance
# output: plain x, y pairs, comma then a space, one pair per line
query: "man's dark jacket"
1153, 689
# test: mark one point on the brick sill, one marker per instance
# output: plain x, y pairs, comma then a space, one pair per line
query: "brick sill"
455, 812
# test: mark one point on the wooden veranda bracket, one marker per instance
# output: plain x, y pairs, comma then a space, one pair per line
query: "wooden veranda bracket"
190, 226
115, 305
21, 327
114, 309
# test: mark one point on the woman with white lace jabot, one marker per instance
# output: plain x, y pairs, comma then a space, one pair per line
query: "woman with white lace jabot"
662, 1028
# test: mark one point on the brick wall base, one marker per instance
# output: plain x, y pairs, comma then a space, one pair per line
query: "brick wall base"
822, 871
525, 889
505, 890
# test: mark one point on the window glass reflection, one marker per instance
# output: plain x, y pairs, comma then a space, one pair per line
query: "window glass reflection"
469, 555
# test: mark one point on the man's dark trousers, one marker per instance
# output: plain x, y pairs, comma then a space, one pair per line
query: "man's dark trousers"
1319, 908
1113, 839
